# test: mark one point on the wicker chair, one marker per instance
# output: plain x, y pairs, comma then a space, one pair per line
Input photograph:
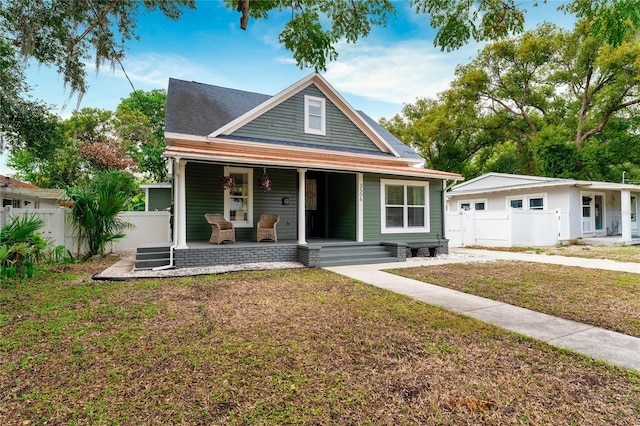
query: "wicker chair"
221, 229
267, 227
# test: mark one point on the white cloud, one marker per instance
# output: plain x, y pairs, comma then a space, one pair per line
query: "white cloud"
152, 70
396, 73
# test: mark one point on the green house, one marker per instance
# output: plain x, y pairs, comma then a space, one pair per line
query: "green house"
333, 175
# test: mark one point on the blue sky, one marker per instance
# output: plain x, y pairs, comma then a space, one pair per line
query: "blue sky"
379, 74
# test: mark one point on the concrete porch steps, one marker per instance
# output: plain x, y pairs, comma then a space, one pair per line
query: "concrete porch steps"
340, 255
149, 256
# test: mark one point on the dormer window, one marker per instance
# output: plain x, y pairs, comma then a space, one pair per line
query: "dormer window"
314, 115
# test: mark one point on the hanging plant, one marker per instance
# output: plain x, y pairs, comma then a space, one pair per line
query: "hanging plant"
265, 183
227, 182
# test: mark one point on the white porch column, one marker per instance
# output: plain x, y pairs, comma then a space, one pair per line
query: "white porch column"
302, 236
360, 207
625, 210
180, 211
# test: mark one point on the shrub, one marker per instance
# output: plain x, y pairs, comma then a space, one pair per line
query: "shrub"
21, 247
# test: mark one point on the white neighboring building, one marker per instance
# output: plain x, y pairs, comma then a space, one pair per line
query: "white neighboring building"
499, 209
22, 195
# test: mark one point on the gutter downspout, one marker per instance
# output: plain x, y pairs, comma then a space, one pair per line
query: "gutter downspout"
175, 228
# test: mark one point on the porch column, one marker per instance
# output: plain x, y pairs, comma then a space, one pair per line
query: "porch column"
625, 213
180, 211
302, 237
360, 207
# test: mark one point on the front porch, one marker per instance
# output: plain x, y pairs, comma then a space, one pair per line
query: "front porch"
318, 253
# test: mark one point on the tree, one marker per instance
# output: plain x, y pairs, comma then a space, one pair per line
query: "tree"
96, 205
140, 127
62, 33
56, 153
549, 102
317, 26
65, 34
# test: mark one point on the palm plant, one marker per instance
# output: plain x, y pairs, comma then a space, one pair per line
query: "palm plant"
95, 210
21, 246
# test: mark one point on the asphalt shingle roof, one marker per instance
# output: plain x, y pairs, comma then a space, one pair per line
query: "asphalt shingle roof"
199, 109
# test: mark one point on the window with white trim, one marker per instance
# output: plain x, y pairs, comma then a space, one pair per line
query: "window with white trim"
314, 115
404, 206
536, 203
11, 202
238, 201
516, 204
475, 205
527, 202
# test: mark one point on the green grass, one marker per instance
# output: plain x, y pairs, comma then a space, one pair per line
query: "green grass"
601, 298
280, 347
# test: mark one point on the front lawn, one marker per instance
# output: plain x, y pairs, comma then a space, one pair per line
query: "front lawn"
601, 298
589, 251
279, 347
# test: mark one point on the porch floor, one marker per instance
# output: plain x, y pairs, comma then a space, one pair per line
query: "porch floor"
228, 244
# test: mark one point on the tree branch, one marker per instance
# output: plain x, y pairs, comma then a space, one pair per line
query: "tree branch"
243, 6
91, 27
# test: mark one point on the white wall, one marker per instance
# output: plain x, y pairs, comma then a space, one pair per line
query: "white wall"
149, 227
507, 228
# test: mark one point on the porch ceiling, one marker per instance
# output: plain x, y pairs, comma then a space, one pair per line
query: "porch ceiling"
259, 154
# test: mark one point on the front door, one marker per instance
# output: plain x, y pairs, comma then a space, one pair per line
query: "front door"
592, 214
634, 215
313, 216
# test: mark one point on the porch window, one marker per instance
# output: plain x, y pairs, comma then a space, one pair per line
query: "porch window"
634, 203
314, 115
238, 201
405, 206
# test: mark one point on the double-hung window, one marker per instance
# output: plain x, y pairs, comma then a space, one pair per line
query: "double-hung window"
238, 201
314, 115
405, 206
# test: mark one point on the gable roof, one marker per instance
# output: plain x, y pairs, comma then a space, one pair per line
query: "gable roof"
497, 182
202, 123
328, 91
214, 111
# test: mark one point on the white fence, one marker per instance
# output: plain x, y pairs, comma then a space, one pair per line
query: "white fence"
149, 227
507, 228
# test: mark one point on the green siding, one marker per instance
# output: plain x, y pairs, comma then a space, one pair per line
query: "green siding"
285, 122
285, 184
204, 195
372, 200
341, 209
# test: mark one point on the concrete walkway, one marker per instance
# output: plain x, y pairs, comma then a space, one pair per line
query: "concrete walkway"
615, 348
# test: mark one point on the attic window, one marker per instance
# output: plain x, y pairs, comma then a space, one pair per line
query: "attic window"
314, 115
